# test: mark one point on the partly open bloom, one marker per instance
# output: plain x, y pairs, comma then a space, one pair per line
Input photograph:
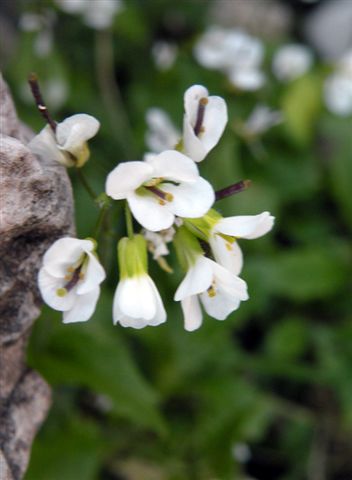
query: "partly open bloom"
204, 121
162, 134
234, 52
69, 278
338, 88
292, 61
137, 302
98, 14
160, 188
219, 290
68, 145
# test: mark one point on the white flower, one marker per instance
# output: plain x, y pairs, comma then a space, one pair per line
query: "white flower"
164, 54
226, 231
262, 119
157, 242
204, 121
234, 52
292, 61
69, 278
219, 291
68, 145
98, 14
162, 135
137, 302
338, 88
156, 190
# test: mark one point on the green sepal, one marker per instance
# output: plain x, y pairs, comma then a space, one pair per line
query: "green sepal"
187, 247
132, 256
202, 227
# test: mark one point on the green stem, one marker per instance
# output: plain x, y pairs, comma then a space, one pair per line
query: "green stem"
129, 222
85, 184
100, 220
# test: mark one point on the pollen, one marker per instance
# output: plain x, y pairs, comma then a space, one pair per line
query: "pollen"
204, 101
70, 269
161, 202
229, 246
81, 275
61, 292
169, 197
211, 292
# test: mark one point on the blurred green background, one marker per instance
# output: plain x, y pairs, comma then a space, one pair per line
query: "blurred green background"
266, 394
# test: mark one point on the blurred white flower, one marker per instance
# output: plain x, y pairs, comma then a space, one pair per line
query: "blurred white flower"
162, 134
69, 278
204, 121
262, 119
338, 87
292, 61
219, 291
157, 242
164, 54
234, 52
137, 302
160, 188
42, 24
68, 145
98, 14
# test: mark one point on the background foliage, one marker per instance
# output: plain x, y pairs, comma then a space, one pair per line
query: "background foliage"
265, 394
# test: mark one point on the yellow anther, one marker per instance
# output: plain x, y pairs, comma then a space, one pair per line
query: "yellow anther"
201, 130
61, 292
203, 101
70, 269
211, 292
161, 202
67, 277
81, 275
169, 197
229, 246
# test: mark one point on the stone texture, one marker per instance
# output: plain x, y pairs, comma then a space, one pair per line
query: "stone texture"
36, 208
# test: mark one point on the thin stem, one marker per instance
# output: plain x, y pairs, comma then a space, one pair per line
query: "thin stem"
129, 222
232, 189
100, 220
85, 184
39, 100
111, 96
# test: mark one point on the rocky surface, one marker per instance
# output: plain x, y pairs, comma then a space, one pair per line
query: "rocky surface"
36, 208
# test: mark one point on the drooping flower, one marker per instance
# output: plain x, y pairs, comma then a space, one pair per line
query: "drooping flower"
137, 302
98, 14
292, 61
69, 278
206, 282
162, 134
160, 188
204, 121
68, 145
234, 52
338, 87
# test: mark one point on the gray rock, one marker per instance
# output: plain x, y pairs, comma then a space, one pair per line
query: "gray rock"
36, 208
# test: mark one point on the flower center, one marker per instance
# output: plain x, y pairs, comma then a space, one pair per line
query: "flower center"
212, 290
198, 127
73, 277
162, 196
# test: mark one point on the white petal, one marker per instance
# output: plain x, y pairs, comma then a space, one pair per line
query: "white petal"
197, 280
215, 119
83, 307
160, 314
162, 134
193, 146
149, 213
220, 305
93, 276
191, 200
246, 226
229, 255
135, 298
228, 282
291, 61
191, 101
76, 130
44, 146
338, 94
126, 178
192, 313
173, 165
248, 79
48, 286
63, 253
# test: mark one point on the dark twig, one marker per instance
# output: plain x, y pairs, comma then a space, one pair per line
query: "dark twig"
38, 97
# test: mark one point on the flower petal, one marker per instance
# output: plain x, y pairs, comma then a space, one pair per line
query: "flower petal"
135, 298
48, 286
229, 255
149, 213
247, 79
44, 146
93, 276
193, 146
83, 307
160, 314
191, 101
198, 279
220, 305
192, 313
126, 178
190, 200
76, 130
246, 226
63, 253
173, 165
228, 282
162, 134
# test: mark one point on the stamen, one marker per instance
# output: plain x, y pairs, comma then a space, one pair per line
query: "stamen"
198, 127
229, 246
75, 278
232, 189
61, 292
211, 291
38, 97
164, 196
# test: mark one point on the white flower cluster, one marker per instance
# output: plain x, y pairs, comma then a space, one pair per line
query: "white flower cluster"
97, 14
338, 87
173, 203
